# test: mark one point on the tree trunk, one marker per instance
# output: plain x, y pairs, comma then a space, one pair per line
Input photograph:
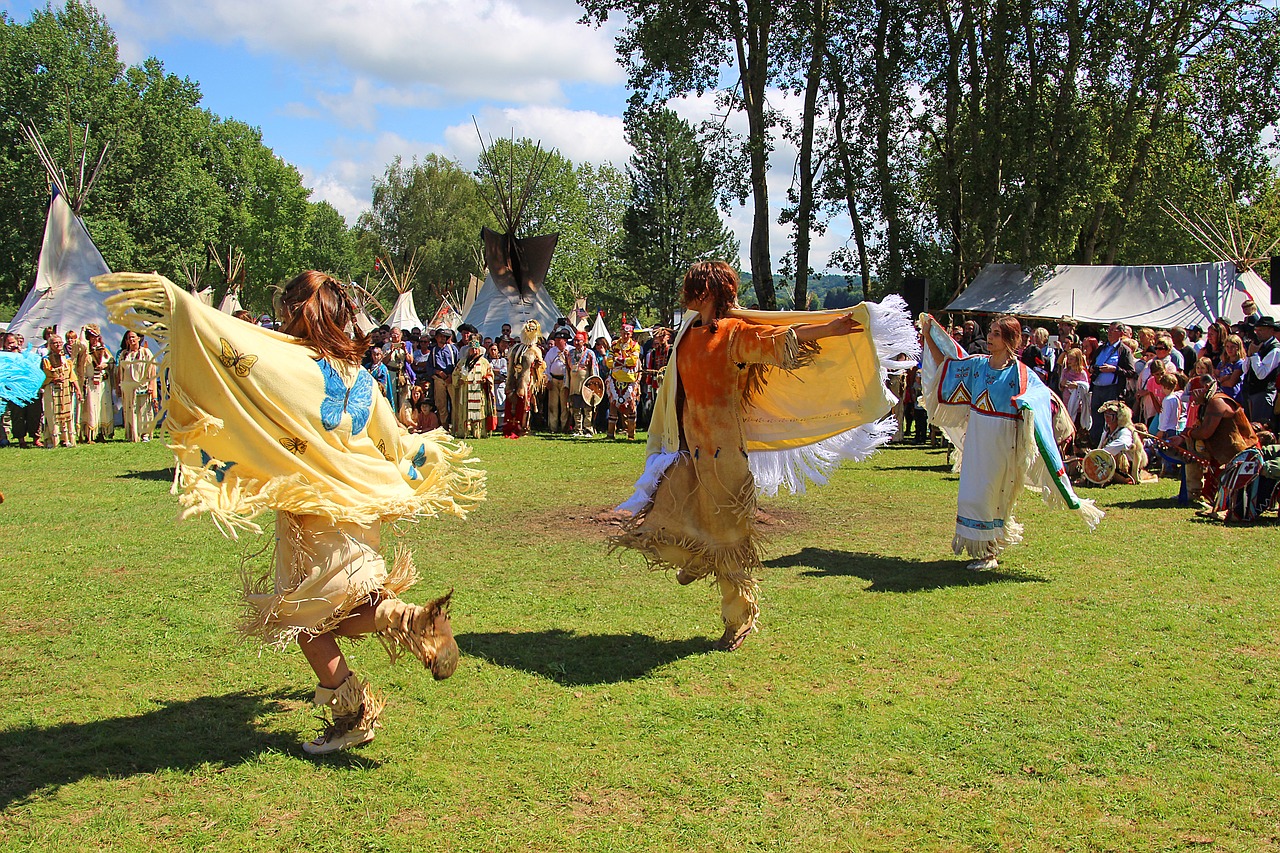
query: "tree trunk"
752, 40
804, 210
846, 166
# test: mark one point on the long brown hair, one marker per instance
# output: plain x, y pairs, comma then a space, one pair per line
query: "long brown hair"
1010, 329
315, 308
715, 279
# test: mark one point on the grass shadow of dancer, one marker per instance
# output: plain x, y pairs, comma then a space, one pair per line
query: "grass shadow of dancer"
894, 574
218, 730
580, 659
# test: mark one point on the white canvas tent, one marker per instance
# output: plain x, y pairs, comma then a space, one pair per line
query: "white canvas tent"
1157, 296
599, 330
404, 315
496, 305
446, 316
63, 294
230, 303
514, 289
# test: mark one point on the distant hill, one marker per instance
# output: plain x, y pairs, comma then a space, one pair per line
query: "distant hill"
818, 288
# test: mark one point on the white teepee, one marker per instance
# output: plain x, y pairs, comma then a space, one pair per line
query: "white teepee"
514, 289
63, 295
446, 316
232, 269
599, 330
404, 315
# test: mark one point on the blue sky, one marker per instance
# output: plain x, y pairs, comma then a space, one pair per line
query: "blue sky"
340, 87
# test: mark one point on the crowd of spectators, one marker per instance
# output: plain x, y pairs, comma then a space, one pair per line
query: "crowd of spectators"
1176, 401
85, 385
464, 382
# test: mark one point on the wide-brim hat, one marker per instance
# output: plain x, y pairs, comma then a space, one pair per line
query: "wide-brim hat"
1265, 320
560, 335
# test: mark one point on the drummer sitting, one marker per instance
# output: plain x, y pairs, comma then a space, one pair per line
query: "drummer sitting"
1121, 440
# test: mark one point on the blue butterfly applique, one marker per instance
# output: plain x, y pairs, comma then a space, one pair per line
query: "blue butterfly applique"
219, 471
419, 459
356, 401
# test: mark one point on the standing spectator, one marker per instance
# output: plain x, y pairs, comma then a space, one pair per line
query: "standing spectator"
1074, 388
623, 385
1195, 339
972, 339
498, 361
1215, 342
397, 355
1251, 313
24, 420
444, 358
97, 413
1036, 354
1260, 375
559, 419
136, 387
1173, 413
582, 366
1186, 352
1112, 368
655, 360
386, 384
60, 390
474, 377
1231, 367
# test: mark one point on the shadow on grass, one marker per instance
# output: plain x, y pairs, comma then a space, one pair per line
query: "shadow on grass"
1140, 503
892, 574
580, 659
160, 475
217, 730
943, 468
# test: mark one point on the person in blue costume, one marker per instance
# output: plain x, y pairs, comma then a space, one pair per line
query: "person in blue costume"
1001, 417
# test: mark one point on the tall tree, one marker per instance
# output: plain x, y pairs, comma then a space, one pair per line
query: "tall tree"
671, 220
431, 207
673, 48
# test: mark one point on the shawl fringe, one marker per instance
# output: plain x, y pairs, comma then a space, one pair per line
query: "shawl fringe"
775, 469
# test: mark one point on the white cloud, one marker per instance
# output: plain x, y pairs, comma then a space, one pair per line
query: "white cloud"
497, 49
698, 109
580, 135
346, 180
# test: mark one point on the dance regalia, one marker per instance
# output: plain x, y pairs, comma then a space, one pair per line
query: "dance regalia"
744, 409
258, 422
1002, 421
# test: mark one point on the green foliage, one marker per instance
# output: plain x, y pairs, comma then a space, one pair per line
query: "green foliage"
177, 179
583, 204
671, 220
432, 208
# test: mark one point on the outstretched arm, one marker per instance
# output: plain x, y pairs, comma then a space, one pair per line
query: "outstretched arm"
842, 325
938, 355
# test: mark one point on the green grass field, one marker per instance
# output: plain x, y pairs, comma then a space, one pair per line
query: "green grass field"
1113, 691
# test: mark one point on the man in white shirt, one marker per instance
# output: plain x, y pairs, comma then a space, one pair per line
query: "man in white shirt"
1260, 373
559, 418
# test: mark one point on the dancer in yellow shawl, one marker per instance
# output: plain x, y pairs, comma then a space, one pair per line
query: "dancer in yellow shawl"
750, 402
261, 420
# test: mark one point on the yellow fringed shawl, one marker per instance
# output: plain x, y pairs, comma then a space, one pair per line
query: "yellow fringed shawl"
257, 422
839, 389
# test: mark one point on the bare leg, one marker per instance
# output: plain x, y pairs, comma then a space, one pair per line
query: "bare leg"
322, 652
326, 659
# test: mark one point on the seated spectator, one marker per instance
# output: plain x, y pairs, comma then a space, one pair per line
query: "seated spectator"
1125, 445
